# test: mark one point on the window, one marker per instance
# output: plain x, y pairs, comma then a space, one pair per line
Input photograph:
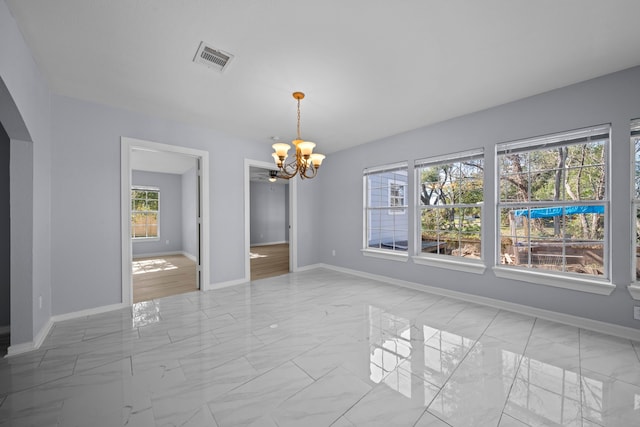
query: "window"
635, 146
450, 191
397, 191
553, 202
386, 216
144, 212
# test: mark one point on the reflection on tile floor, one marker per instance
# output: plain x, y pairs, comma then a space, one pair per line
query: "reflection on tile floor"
320, 348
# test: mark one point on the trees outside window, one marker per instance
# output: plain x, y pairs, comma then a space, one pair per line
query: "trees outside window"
450, 191
144, 213
553, 202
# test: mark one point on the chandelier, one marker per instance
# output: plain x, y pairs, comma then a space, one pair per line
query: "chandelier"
306, 163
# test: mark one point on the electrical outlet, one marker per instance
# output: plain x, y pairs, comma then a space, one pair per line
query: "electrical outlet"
40, 302
166, 242
333, 252
636, 312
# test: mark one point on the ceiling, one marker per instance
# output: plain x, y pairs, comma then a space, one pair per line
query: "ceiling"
369, 68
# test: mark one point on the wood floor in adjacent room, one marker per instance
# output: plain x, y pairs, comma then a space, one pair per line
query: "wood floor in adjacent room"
269, 261
157, 277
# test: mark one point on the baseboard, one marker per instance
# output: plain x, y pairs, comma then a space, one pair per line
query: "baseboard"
191, 257
567, 319
153, 254
88, 312
42, 335
311, 267
26, 347
269, 243
221, 285
4, 330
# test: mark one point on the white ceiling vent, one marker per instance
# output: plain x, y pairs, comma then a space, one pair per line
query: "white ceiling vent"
212, 57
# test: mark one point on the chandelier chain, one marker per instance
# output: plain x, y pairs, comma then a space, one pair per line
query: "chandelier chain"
299, 118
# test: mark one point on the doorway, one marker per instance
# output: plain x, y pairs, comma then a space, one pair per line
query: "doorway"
269, 228
273, 246
165, 220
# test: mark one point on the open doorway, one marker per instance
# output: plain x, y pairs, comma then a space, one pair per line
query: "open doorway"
269, 228
283, 253
165, 218
163, 224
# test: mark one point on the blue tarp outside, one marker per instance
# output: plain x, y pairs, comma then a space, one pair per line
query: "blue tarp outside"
551, 212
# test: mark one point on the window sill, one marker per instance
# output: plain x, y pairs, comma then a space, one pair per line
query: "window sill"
393, 256
593, 286
145, 239
634, 290
451, 264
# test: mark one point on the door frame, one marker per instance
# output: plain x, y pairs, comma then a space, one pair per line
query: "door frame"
293, 217
128, 144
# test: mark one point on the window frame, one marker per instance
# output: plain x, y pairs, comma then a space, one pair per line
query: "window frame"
390, 254
563, 279
133, 212
453, 262
634, 138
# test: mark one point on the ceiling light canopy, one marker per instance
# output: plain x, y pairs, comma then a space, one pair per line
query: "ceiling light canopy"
306, 163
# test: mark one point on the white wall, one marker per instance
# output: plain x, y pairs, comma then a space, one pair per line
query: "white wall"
170, 214
268, 213
610, 99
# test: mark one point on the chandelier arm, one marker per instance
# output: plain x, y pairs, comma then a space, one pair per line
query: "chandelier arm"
314, 172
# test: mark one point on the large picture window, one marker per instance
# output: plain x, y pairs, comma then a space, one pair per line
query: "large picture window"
385, 208
450, 190
145, 212
553, 203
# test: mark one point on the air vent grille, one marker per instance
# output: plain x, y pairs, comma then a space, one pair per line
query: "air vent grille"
212, 57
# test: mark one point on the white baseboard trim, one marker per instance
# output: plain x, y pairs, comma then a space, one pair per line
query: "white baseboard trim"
4, 330
88, 312
40, 337
22, 348
269, 243
26, 347
312, 267
221, 285
190, 256
152, 254
567, 319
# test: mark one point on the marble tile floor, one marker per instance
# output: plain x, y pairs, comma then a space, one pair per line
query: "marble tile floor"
320, 348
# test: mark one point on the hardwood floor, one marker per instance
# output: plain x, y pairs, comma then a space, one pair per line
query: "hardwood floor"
269, 261
162, 276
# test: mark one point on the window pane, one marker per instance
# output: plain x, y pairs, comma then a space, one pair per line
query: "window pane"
451, 195
144, 217
386, 206
545, 219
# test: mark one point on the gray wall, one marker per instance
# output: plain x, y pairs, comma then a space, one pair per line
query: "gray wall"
86, 160
5, 231
25, 112
189, 214
268, 213
610, 99
170, 186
